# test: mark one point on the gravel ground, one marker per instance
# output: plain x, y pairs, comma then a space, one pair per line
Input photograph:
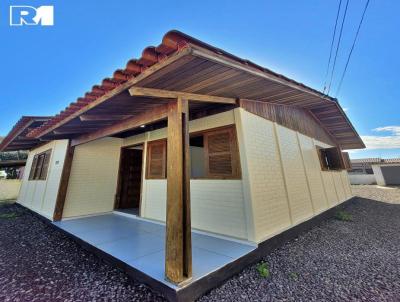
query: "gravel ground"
357, 260
385, 194
38, 263
336, 261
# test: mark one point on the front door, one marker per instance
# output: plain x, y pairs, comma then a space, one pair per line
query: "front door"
130, 177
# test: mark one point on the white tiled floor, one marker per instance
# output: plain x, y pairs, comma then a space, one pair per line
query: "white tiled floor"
141, 244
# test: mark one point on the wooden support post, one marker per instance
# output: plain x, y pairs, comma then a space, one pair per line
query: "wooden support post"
178, 244
62, 188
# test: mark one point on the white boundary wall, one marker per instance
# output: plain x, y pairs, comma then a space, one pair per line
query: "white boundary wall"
362, 179
9, 189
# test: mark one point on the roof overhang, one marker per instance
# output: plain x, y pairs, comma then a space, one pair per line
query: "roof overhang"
12, 163
16, 139
184, 64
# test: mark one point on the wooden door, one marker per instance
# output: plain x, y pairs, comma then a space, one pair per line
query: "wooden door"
130, 178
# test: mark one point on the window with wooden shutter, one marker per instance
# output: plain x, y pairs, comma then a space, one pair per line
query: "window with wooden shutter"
40, 166
331, 158
33, 168
221, 153
45, 165
346, 160
156, 159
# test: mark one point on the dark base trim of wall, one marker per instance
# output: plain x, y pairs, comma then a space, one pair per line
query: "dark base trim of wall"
200, 287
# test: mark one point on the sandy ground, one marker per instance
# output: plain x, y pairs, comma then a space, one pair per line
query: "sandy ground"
385, 194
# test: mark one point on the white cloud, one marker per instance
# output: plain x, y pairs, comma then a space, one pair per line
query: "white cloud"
391, 141
352, 151
345, 109
395, 130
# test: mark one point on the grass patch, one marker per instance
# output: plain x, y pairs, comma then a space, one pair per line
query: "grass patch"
6, 202
263, 269
343, 216
294, 276
9, 215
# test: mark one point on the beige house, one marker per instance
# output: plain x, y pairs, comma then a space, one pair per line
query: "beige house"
249, 152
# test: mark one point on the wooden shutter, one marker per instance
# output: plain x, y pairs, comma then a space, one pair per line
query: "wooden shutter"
346, 160
33, 168
39, 165
331, 158
322, 158
221, 152
335, 159
156, 159
45, 166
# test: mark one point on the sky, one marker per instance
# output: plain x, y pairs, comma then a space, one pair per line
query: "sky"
43, 69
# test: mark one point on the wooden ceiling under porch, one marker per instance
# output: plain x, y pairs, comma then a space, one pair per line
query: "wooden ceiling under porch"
202, 70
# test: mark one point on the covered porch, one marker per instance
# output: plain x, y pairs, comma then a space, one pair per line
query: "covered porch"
140, 244
179, 81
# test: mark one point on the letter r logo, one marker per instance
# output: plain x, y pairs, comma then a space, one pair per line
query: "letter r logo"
28, 15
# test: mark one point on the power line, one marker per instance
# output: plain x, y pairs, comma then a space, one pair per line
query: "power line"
352, 47
333, 40
338, 46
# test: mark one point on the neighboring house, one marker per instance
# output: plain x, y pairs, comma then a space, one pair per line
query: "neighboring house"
13, 155
381, 171
363, 165
387, 172
194, 137
14, 147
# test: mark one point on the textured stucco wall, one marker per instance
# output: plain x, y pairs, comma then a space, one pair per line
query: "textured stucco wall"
40, 195
93, 179
283, 177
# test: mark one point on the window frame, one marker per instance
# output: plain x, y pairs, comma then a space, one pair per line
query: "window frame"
235, 154
150, 145
40, 165
326, 163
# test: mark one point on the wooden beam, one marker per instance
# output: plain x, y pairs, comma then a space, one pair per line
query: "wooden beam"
101, 117
17, 147
152, 115
62, 188
74, 130
23, 138
178, 250
21, 142
12, 163
160, 66
168, 94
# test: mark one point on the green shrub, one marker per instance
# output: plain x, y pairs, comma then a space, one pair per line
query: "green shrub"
263, 269
294, 276
343, 216
9, 215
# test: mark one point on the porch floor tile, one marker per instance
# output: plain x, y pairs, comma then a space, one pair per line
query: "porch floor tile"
141, 244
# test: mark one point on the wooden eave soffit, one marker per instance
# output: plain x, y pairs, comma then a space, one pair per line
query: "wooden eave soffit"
168, 94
